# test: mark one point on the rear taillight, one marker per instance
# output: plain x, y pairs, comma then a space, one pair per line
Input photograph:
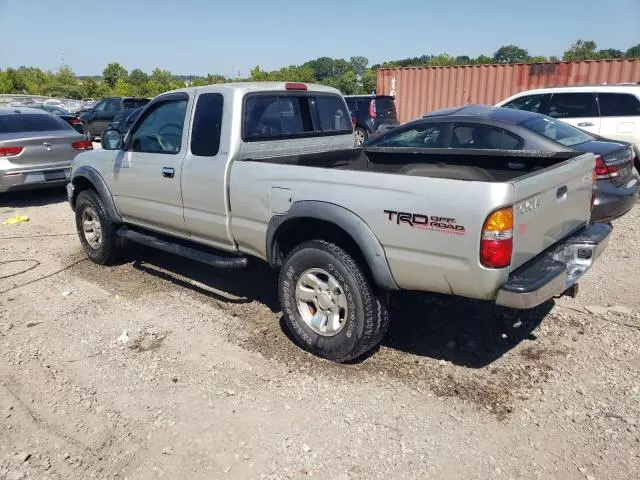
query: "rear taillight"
353, 121
83, 145
604, 171
10, 151
372, 108
496, 245
75, 121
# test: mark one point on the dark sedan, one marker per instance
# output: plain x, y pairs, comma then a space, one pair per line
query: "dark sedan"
78, 125
480, 127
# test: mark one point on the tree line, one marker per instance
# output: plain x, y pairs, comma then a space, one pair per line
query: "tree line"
352, 76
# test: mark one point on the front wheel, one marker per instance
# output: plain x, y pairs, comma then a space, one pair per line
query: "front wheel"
97, 232
328, 303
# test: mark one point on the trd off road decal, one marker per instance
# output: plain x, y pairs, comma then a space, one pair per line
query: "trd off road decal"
425, 222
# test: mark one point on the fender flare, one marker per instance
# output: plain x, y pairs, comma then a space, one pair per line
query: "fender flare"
345, 219
93, 176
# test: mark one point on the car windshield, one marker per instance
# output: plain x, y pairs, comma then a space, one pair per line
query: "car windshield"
556, 130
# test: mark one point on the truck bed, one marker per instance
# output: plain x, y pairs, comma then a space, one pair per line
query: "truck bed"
453, 164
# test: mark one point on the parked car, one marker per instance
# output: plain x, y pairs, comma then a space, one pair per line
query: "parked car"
608, 111
71, 119
36, 149
103, 113
125, 120
371, 113
270, 171
483, 128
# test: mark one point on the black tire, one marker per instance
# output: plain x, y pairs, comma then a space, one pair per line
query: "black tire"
361, 135
111, 245
368, 317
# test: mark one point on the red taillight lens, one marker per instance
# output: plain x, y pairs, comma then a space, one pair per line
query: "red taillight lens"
496, 244
295, 86
496, 253
353, 121
603, 170
83, 145
10, 151
75, 121
372, 108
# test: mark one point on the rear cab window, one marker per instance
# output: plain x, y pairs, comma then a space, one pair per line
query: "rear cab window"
279, 116
385, 105
16, 123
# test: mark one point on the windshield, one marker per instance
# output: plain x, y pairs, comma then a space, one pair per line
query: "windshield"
558, 131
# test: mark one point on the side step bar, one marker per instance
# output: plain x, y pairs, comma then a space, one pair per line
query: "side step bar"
166, 245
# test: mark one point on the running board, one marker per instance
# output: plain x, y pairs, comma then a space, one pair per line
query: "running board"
199, 255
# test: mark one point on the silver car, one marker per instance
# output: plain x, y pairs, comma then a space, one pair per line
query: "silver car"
36, 149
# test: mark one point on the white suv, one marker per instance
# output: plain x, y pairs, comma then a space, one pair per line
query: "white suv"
610, 111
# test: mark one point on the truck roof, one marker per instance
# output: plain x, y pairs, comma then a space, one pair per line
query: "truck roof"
249, 87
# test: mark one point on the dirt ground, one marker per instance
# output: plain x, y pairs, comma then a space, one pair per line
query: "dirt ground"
164, 368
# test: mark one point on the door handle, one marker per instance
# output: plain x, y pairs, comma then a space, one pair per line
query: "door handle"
585, 124
167, 172
561, 193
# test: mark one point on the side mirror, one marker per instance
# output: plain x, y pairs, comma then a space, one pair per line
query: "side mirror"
111, 140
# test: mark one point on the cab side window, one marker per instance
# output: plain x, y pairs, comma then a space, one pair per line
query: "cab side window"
573, 105
619, 105
529, 103
160, 130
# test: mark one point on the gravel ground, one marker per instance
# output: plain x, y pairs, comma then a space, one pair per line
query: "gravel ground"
163, 368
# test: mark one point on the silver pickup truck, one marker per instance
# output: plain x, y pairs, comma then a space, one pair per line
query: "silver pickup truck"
228, 173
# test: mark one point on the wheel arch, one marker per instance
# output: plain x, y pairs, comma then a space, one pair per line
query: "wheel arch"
86, 177
337, 224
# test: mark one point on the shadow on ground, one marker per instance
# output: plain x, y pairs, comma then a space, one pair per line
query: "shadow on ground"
461, 331
33, 198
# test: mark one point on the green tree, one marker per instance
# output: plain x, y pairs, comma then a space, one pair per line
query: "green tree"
5, 84
138, 82
369, 81
463, 60
114, 72
215, 78
483, 60
537, 59
581, 50
553, 58
122, 88
442, 60
510, 54
159, 81
358, 65
90, 88
610, 53
633, 52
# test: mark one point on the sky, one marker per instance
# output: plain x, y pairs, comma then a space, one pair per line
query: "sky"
230, 37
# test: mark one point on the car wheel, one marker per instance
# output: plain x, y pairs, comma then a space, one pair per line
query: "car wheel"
328, 303
97, 232
361, 135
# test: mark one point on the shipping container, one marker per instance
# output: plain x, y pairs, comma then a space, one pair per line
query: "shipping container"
419, 90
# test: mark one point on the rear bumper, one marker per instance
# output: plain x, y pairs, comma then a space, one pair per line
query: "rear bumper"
612, 202
33, 178
556, 270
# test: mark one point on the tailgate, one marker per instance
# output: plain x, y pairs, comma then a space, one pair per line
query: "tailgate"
549, 205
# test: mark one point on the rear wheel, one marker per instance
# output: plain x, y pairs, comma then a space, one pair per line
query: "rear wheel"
96, 230
328, 303
361, 135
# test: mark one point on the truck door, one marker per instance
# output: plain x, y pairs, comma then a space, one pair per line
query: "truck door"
146, 173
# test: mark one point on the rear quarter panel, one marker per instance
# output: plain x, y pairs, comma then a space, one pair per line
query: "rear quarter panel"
440, 256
